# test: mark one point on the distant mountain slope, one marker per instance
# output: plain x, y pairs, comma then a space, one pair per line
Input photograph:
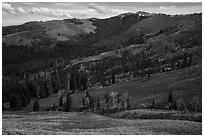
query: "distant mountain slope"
151, 25
46, 33
78, 38
99, 32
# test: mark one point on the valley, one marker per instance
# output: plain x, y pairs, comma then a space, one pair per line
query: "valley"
134, 73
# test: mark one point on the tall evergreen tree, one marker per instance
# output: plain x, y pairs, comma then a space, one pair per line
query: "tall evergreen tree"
153, 104
113, 78
68, 103
61, 101
170, 100
184, 64
36, 106
175, 106
98, 104
83, 102
73, 83
128, 103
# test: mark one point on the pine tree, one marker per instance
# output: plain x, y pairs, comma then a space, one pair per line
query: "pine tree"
175, 107
68, 103
113, 78
153, 104
53, 107
83, 102
170, 100
107, 98
61, 102
98, 104
91, 104
36, 106
184, 64
190, 60
73, 83
128, 103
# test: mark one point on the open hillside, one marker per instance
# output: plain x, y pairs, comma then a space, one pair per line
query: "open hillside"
49, 32
46, 33
185, 85
118, 29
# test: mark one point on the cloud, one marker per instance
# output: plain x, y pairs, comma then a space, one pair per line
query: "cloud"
167, 7
8, 8
21, 10
104, 11
98, 8
40, 10
12, 10
52, 12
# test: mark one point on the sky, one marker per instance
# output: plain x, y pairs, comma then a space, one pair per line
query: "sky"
15, 13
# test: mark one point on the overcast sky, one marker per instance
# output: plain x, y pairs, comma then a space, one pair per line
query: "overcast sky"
14, 13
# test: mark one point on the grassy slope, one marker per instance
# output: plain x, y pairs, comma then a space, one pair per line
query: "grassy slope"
88, 123
156, 114
186, 85
49, 30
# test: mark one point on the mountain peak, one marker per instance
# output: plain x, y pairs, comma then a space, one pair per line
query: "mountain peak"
125, 14
140, 13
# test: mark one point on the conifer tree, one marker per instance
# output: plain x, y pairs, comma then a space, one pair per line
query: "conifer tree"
128, 103
36, 106
61, 102
170, 100
98, 104
68, 103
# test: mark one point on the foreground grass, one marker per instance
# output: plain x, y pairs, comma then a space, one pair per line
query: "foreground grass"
157, 114
88, 123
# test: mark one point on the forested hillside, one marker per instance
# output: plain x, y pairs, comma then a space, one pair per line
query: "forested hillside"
95, 52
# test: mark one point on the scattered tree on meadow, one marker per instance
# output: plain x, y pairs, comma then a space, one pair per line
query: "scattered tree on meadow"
185, 60
61, 101
175, 106
91, 103
128, 103
84, 82
170, 100
98, 104
153, 104
68, 103
83, 102
36, 106
190, 60
53, 107
107, 98
73, 83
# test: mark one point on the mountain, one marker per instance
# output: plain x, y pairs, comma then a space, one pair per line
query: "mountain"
75, 38
142, 46
48, 32
92, 31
